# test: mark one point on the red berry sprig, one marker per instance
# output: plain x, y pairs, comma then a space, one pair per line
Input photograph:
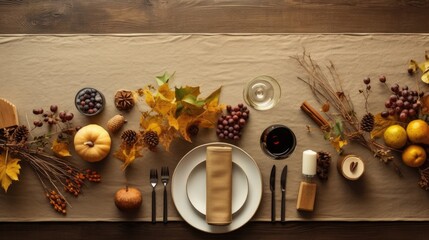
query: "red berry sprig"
52, 117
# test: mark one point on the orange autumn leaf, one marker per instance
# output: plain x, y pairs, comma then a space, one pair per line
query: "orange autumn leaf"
185, 121
60, 148
381, 124
9, 170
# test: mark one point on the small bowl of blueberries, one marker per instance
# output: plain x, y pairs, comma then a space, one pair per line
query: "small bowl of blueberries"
89, 101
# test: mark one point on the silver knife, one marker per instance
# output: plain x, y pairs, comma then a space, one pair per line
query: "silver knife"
283, 186
273, 197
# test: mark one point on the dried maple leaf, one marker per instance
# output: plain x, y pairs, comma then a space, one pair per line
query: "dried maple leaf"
380, 125
128, 154
60, 148
9, 170
167, 137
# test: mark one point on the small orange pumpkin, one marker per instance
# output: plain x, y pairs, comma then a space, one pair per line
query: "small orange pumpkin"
92, 143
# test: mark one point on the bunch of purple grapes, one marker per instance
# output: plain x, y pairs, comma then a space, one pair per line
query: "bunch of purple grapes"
403, 103
230, 125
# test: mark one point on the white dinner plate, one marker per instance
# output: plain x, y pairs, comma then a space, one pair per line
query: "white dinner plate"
196, 187
184, 206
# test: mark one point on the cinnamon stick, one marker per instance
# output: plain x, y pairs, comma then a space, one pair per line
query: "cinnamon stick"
314, 115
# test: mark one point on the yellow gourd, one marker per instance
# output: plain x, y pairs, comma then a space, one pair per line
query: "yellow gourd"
92, 143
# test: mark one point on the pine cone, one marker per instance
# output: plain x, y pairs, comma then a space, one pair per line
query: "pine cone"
151, 139
323, 164
115, 123
20, 134
129, 137
367, 123
124, 100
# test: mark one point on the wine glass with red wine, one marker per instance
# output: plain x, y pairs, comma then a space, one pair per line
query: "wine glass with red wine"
278, 141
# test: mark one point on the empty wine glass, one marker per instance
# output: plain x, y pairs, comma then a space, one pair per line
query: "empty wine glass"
262, 93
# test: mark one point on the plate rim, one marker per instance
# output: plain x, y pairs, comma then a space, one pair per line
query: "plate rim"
224, 229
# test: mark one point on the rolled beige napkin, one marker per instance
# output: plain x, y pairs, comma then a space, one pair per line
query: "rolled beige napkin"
219, 185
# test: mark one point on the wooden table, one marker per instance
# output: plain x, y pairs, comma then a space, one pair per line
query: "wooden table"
331, 16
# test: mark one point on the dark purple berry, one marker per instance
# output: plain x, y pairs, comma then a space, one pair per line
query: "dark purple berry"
366, 80
382, 79
242, 122
54, 108
69, 116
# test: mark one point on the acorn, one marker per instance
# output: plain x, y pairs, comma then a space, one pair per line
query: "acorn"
115, 123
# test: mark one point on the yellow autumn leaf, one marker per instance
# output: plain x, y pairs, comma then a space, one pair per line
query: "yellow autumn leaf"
9, 170
380, 125
172, 121
149, 98
60, 148
128, 154
208, 118
164, 106
166, 93
213, 99
152, 123
338, 143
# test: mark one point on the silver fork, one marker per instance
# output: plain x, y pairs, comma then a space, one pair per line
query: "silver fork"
165, 176
153, 182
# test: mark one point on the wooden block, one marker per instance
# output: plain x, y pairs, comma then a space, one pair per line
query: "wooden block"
306, 196
8, 114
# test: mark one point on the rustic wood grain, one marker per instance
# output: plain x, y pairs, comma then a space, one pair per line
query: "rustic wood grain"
180, 230
215, 16
235, 16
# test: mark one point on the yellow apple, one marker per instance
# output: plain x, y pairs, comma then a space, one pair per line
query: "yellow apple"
395, 136
418, 131
414, 156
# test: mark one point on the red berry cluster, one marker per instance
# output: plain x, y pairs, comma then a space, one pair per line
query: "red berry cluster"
230, 125
52, 117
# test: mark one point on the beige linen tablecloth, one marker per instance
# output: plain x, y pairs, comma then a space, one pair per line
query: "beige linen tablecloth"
36, 71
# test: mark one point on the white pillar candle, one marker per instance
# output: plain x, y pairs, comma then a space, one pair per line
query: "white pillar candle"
309, 162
